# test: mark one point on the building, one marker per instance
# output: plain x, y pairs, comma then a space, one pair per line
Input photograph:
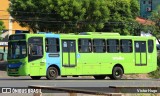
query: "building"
147, 6
10, 28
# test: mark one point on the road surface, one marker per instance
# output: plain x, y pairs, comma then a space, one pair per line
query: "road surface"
77, 82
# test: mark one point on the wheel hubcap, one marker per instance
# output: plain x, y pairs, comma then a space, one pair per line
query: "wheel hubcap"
52, 73
117, 73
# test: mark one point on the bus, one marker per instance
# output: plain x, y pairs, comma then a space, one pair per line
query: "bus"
96, 54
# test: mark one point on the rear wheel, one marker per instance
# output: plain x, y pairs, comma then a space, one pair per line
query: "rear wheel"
117, 73
35, 77
100, 77
52, 73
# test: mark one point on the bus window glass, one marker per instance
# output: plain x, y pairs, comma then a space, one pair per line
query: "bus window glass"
140, 46
143, 47
52, 45
85, 45
68, 46
17, 50
112, 45
35, 48
137, 46
150, 46
99, 45
65, 46
72, 46
17, 37
126, 46
24, 50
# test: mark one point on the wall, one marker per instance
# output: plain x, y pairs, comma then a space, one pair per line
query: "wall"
147, 6
5, 17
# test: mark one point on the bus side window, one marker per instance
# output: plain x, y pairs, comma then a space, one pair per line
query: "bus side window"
112, 45
126, 46
99, 46
52, 45
36, 50
150, 46
84, 45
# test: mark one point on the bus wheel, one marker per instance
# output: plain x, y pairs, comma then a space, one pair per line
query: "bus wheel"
35, 77
117, 73
52, 73
100, 77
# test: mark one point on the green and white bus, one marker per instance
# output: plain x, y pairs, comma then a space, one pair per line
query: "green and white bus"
86, 54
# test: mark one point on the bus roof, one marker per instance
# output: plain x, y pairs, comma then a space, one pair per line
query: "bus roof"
99, 33
88, 35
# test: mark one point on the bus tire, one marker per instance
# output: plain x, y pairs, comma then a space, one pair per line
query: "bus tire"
100, 77
35, 77
117, 73
52, 73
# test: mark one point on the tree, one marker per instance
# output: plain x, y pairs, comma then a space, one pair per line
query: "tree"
123, 15
155, 17
1, 27
60, 15
155, 29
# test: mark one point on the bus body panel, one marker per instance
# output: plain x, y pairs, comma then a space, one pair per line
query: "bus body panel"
52, 58
17, 68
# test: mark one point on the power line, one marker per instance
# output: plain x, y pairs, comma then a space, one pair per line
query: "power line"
62, 21
52, 13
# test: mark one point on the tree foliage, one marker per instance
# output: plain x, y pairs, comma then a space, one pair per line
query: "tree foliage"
154, 26
1, 26
60, 15
155, 17
123, 15
75, 15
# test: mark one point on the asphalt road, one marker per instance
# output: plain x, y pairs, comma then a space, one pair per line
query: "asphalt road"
78, 82
83, 84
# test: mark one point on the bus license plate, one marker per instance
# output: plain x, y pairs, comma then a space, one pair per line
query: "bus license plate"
13, 70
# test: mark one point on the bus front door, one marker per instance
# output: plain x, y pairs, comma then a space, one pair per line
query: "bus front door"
68, 53
140, 53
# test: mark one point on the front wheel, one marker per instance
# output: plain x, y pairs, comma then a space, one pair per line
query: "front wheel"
35, 77
52, 73
117, 73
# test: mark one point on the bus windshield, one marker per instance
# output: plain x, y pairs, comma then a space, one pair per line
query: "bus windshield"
17, 50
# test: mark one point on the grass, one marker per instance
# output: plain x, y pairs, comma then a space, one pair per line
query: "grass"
156, 74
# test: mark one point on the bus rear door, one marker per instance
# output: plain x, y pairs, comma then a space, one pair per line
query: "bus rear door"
69, 56
140, 53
